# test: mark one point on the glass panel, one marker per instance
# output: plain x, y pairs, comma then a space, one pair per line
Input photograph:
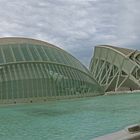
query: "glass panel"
25, 52
7, 53
33, 52
1, 57
16, 52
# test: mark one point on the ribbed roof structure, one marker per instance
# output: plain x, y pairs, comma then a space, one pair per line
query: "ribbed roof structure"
116, 68
24, 49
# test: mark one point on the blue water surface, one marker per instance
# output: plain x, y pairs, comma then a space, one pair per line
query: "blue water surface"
74, 119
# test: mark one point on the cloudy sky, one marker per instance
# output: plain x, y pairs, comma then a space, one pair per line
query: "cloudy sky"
74, 25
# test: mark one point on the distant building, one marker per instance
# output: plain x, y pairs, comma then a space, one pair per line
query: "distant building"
33, 70
116, 68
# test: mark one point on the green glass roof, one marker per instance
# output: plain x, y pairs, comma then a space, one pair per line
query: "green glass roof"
24, 49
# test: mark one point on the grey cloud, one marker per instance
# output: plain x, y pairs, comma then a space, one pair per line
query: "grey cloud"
74, 25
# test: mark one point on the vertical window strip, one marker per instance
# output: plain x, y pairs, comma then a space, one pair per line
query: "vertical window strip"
43, 79
48, 59
14, 58
51, 80
3, 55
38, 54
10, 81
65, 88
48, 93
29, 52
1, 81
5, 82
30, 81
21, 52
62, 80
40, 84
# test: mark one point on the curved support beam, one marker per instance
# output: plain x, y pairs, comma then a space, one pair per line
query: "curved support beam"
117, 71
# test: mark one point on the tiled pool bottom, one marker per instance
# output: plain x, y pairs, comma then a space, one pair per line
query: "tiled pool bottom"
75, 119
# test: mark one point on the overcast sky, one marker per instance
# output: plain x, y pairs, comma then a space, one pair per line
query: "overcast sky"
74, 25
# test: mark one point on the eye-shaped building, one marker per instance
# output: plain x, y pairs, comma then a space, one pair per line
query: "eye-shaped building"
33, 70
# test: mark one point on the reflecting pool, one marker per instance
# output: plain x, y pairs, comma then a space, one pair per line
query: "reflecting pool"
74, 119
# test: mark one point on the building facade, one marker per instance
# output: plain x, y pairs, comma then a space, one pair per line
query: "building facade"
33, 70
116, 69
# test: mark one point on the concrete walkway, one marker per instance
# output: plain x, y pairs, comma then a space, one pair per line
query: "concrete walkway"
129, 133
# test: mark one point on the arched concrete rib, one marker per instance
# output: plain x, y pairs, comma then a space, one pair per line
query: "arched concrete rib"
116, 68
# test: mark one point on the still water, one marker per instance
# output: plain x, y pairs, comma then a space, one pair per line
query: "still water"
74, 119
